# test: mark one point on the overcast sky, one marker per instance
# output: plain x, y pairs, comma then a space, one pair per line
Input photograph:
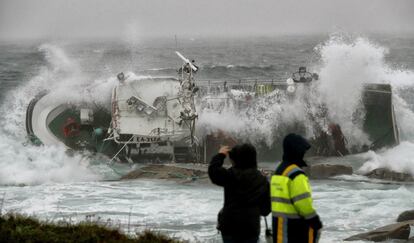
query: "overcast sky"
141, 18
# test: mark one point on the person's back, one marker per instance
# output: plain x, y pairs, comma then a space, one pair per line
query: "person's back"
294, 218
246, 194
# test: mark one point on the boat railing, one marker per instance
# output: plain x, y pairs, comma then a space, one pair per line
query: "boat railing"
252, 84
245, 81
259, 86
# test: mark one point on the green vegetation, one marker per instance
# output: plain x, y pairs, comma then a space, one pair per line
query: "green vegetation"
17, 228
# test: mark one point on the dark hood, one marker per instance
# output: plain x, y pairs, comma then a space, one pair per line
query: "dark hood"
244, 156
294, 149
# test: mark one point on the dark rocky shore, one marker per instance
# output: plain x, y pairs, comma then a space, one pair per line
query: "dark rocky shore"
397, 231
198, 172
18, 228
189, 172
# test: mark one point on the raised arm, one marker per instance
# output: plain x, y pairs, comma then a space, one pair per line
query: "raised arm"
217, 173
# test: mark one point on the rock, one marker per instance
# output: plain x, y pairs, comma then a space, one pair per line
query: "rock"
400, 231
323, 171
387, 174
406, 215
166, 172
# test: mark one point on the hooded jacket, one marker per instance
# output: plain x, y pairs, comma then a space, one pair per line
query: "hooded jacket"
246, 194
294, 218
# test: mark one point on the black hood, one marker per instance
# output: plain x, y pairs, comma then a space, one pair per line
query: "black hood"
244, 156
294, 149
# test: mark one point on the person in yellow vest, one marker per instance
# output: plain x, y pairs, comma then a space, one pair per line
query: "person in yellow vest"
294, 218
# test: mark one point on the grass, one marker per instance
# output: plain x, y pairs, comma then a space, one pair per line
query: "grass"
18, 228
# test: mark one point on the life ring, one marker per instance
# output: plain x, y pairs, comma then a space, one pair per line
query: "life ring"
71, 128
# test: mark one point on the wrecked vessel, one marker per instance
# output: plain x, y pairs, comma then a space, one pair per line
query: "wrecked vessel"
155, 127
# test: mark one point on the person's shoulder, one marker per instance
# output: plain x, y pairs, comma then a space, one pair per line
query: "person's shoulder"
289, 170
296, 171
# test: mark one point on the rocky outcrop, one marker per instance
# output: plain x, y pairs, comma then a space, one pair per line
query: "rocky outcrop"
182, 172
387, 174
400, 231
166, 172
406, 215
323, 171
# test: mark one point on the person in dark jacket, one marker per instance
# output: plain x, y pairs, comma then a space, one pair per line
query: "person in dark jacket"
246, 193
294, 217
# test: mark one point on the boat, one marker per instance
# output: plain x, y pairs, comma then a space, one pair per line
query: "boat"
150, 119
155, 119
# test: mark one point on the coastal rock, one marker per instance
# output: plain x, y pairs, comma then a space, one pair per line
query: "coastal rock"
323, 171
400, 231
166, 172
387, 174
406, 215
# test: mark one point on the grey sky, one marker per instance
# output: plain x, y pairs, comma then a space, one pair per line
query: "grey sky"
139, 18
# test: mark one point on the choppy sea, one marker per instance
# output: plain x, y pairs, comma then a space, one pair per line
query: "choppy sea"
50, 184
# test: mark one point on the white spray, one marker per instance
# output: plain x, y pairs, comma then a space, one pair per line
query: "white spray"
343, 69
351, 63
345, 65
22, 163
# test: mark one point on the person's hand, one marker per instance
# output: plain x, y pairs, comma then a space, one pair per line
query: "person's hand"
315, 223
224, 150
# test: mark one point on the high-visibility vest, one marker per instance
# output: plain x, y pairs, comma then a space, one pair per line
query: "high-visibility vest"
291, 194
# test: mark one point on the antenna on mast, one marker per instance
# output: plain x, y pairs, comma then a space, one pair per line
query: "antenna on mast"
186, 61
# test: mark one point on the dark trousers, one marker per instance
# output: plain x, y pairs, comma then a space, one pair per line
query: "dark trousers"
232, 239
287, 230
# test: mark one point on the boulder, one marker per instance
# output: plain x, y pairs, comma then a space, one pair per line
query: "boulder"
323, 171
166, 172
400, 231
406, 215
387, 174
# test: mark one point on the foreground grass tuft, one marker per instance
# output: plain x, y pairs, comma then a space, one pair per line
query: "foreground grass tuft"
17, 228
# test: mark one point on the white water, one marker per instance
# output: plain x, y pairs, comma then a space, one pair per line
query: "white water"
23, 163
264, 119
189, 210
63, 186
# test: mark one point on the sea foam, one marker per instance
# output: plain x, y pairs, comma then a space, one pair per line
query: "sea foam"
22, 163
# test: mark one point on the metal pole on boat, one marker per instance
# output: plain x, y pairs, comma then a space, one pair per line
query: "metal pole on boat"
110, 162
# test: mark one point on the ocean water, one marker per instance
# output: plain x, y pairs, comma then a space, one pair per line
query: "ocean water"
53, 185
